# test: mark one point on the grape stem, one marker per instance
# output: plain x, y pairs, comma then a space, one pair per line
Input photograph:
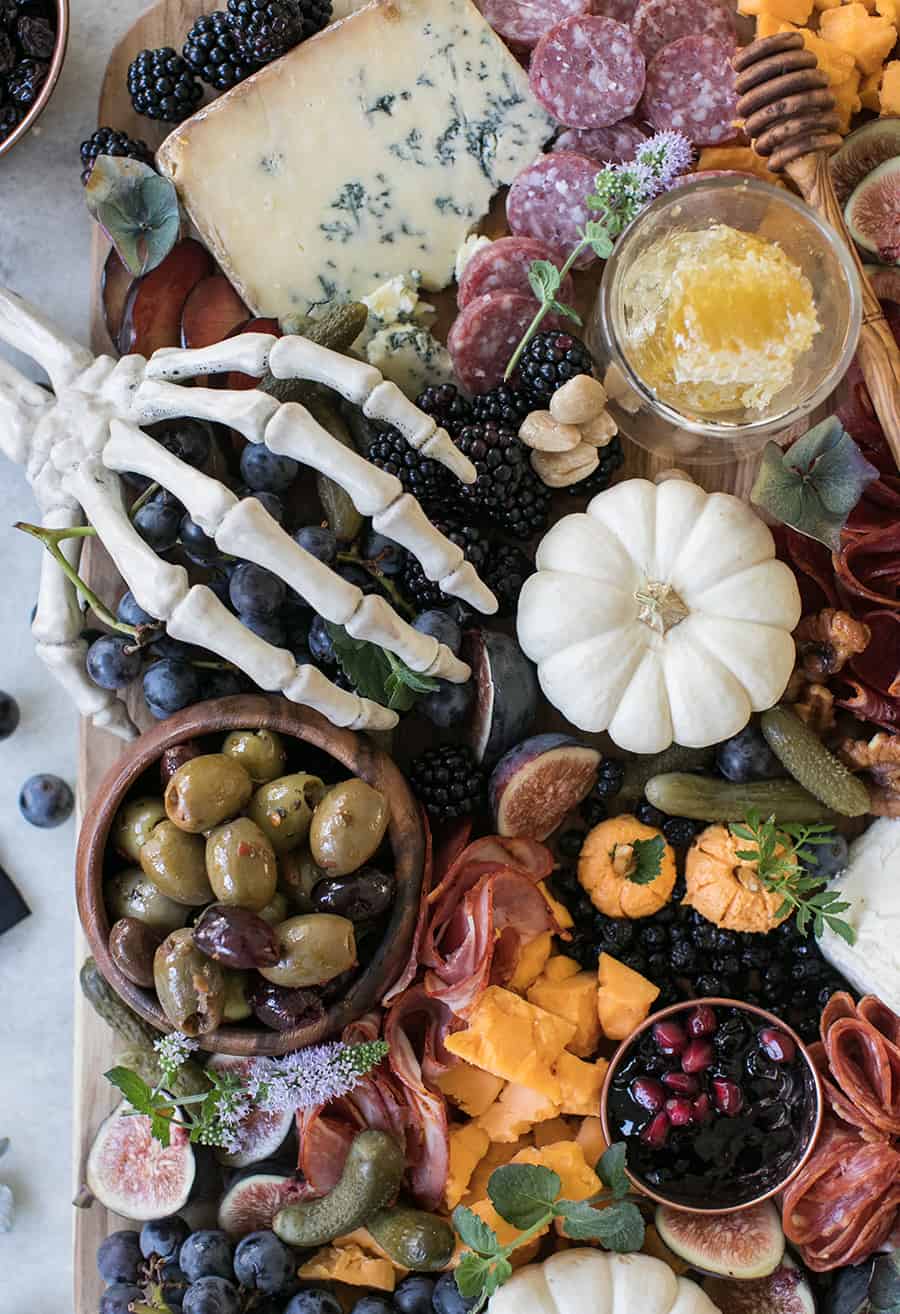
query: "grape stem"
51, 539
396, 597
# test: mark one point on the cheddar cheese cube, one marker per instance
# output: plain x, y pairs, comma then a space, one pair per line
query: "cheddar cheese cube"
789, 11
513, 1039
498, 1153
548, 1133
870, 90
563, 917
566, 1159
742, 158
515, 1112
560, 968
573, 997
889, 95
889, 9
591, 1139
471, 1089
580, 1084
869, 38
847, 100
749, 7
826, 4
352, 1265
532, 959
468, 1145
768, 25
624, 997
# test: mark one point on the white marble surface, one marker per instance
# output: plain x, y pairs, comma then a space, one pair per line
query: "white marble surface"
44, 254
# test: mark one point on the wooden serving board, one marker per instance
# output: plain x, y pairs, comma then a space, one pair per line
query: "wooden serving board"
166, 24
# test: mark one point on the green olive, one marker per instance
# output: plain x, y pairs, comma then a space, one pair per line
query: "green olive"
314, 948
190, 987
297, 874
241, 865
133, 823
129, 894
347, 827
237, 1004
283, 808
206, 791
275, 910
174, 861
261, 753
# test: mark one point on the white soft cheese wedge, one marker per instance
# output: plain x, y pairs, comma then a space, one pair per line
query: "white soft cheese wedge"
871, 885
369, 151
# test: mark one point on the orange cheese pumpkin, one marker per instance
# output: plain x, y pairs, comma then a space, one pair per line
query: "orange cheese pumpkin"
726, 889
603, 869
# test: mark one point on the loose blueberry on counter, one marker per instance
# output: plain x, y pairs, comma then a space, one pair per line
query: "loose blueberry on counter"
211, 1295
413, 1295
313, 1301
318, 541
163, 1236
265, 471
207, 1253
46, 801
262, 1262
441, 626
447, 1299
113, 661
170, 685
119, 1257
747, 756
9, 715
119, 1298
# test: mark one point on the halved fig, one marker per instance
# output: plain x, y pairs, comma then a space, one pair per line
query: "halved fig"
133, 1174
261, 1134
861, 152
212, 312
152, 317
873, 213
506, 693
748, 1243
538, 782
886, 286
115, 284
784, 1291
251, 1203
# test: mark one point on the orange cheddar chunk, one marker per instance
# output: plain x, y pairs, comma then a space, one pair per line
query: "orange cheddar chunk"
847, 100
352, 1265
742, 158
591, 1139
468, 1146
560, 968
869, 38
548, 1133
889, 9
575, 998
766, 26
870, 90
566, 1158
516, 1112
471, 1089
624, 997
514, 1039
532, 959
749, 7
826, 4
789, 11
563, 917
890, 88
580, 1084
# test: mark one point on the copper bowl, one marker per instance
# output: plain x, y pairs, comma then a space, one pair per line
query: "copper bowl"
56, 63
814, 1093
359, 757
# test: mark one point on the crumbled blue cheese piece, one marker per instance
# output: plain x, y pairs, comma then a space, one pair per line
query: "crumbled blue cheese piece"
396, 302
410, 357
368, 151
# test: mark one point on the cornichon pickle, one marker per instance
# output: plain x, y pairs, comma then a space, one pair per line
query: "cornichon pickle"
240, 863
260, 752
804, 755
703, 798
206, 791
133, 825
190, 986
174, 861
283, 808
370, 1180
413, 1238
315, 948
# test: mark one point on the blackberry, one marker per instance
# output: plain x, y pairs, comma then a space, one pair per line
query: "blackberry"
109, 141
610, 777
648, 815
162, 85
448, 781
212, 50
611, 459
529, 511
504, 572
550, 360
593, 810
500, 460
430, 483
268, 29
684, 959
7, 54
679, 831
635, 960
708, 985
569, 843
418, 588
503, 404
446, 406
26, 80
36, 37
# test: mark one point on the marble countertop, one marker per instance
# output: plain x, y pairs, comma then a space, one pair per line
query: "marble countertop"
44, 254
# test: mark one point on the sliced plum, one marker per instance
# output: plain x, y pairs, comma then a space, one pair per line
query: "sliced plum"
212, 312
152, 317
116, 283
535, 784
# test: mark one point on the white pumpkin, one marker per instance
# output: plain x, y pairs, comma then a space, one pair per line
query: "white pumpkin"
586, 1281
660, 614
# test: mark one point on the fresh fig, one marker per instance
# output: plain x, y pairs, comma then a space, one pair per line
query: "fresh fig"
886, 286
538, 782
748, 1243
134, 1175
262, 1133
506, 693
861, 152
784, 1291
873, 212
251, 1203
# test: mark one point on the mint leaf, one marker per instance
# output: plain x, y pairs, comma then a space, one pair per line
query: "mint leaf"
376, 673
471, 1273
648, 856
611, 1170
134, 1088
474, 1232
596, 233
544, 278
566, 310
523, 1193
500, 1273
580, 1219
160, 1128
620, 1227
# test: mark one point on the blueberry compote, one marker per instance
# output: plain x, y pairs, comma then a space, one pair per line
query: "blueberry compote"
717, 1106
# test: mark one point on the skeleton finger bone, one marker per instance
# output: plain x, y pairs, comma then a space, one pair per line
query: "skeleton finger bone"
26, 328
248, 353
22, 404
248, 412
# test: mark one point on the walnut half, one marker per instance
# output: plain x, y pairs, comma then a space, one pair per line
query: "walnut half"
827, 640
880, 757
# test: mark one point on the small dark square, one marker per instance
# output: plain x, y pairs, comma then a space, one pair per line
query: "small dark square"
13, 908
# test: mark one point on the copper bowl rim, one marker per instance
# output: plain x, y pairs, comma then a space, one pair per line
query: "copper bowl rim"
56, 62
715, 1001
353, 751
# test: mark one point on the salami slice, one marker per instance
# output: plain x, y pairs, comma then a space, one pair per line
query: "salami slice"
613, 145
658, 23
485, 335
524, 22
621, 10
588, 72
690, 89
503, 267
548, 200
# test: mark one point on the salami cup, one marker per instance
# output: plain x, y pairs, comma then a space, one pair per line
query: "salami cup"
727, 313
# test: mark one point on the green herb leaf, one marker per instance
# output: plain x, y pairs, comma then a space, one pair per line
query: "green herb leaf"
566, 310
582, 1221
136, 208
611, 1170
816, 483
471, 1273
474, 1232
134, 1088
648, 856
620, 1227
596, 235
500, 1272
544, 278
523, 1193
161, 1128
378, 674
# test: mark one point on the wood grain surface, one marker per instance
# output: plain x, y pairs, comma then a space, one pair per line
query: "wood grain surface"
166, 23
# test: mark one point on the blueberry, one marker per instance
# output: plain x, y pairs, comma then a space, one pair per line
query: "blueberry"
189, 440
270, 501
318, 541
166, 646
828, 859
198, 545
9, 715
220, 683
173, 1284
159, 524
265, 627
447, 705
113, 661
208, 1253
359, 576
441, 627
313, 1301
46, 801
447, 1299
163, 1236
255, 591
211, 1295
372, 1304
118, 1298
747, 756
610, 777
413, 1294
170, 685
118, 1257
130, 613
265, 471
262, 1262
320, 642
386, 556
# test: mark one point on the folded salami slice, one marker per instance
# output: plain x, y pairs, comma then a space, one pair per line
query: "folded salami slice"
588, 72
658, 23
548, 200
621, 10
524, 22
613, 145
503, 267
690, 89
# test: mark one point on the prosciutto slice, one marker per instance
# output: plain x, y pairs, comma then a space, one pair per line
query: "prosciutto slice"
415, 1028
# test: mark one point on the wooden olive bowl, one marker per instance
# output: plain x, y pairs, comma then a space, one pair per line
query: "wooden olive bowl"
56, 62
354, 752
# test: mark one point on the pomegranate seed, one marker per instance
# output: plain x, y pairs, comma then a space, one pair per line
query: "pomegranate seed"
702, 1108
777, 1046
728, 1097
669, 1037
680, 1111
682, 1082
647, 1092
697, 1056
702, 1021
656, 1132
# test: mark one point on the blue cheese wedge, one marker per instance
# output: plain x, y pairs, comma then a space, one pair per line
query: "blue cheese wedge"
410, 357
369, 151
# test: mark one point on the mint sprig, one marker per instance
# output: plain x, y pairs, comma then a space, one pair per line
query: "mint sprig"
378, 674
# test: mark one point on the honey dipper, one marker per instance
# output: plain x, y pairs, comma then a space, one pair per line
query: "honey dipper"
789, 115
